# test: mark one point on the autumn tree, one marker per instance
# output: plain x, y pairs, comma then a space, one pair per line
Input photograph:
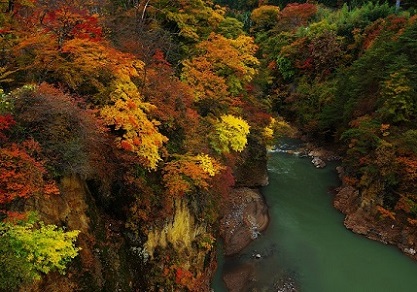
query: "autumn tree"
230, 134
295, 15
186, 173
23, 176
264, 17
31, 249
174, 106
220, 71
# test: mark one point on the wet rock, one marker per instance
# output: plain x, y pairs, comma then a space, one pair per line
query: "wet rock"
319, 163
245, 217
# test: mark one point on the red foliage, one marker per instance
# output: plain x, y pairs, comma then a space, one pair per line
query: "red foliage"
159, 59
6, 122
21, 176
254, 114
396, 23
183, 277
15, 217
222, 183
306, 64
295, 14
371, 33
71, 22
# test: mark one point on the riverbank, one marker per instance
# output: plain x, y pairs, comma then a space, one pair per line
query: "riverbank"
392, 230
363, 221
305, 239
374, 225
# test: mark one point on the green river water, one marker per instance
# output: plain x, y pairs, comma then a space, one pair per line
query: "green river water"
306, 244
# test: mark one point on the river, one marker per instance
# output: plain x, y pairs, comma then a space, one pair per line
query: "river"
306, 247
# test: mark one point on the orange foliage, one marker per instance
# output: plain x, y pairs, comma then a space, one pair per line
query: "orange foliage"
372, 32
187, 173
350, 181
15, 217
412, 221
408, 167
182, 176
386, 213
184, 278
21, 176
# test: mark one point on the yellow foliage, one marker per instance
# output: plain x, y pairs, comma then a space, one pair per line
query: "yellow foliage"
265, 15
221, 62
209, 164
180, 232
268, 132
128, 112
230, 134
282, 128
187, 172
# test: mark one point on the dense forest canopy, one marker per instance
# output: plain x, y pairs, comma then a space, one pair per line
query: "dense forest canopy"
155, 106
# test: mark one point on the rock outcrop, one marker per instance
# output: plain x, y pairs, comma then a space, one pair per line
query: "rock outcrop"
243, 220
373, 225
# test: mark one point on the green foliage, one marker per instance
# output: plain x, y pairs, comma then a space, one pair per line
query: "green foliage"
15, 271
286, 68
31, 249
230, 28
408, 141
398, 98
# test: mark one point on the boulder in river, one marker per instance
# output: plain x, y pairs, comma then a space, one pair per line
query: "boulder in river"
244, 218
318, 162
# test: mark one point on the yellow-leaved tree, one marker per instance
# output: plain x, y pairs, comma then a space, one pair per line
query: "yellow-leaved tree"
230, 133
127, 112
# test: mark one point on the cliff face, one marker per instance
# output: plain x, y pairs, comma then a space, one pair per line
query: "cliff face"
245, 214
251, 171
104, 261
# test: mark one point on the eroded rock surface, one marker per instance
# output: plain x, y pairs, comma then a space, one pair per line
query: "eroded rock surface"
244, 218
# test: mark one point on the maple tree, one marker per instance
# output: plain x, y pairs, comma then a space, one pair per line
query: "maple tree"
22, 176
186, 173
177, 87
295, 14
174, 106
6, 122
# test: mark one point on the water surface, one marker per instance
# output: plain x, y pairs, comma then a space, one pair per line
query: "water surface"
307, 243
